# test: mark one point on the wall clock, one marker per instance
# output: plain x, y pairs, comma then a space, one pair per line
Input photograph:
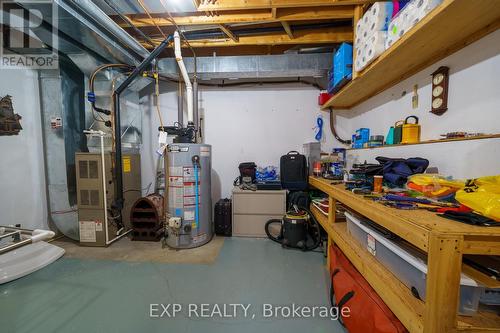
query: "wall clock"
440, 90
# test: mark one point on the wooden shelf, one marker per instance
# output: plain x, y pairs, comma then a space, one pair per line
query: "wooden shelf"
482, 137
395, 294
415, 226
448, 28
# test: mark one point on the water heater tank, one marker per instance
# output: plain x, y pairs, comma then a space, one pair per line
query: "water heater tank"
189, 195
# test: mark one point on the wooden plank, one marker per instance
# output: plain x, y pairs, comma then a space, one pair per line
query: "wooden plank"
332, 206
450, 27
414, 233
443, 283
288, 29
446, 257
228, 33
322, 220
233, 17
482, 137
396, 295
415, 224
482, 245
274, 12
225, 5
358, 14
482, 322
324, 36
480, 277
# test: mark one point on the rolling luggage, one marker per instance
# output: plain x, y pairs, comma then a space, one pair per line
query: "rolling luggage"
293, 171
223, 218
368, 313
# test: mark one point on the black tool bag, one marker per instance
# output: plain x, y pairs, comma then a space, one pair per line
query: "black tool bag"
293, 171
248, 172
223, 218
298, 198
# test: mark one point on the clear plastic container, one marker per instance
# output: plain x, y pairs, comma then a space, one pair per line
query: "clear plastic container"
409, 265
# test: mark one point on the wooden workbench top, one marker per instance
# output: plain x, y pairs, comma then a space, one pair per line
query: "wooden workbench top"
412, 225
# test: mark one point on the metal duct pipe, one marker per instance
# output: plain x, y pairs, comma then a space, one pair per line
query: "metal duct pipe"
118, 204
180, 105
185, 75
94, 12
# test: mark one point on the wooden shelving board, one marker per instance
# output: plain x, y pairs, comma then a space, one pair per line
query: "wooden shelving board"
448, 28
395, 294
482, 137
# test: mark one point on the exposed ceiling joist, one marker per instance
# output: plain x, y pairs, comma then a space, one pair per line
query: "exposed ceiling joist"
302, 37
257, 16
288, 30
221, 5
228, 33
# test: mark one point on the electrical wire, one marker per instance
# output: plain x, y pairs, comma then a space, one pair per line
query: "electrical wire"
130, 23
157, 98
91, 95
334, 132
319, 127
141, 3
172, 20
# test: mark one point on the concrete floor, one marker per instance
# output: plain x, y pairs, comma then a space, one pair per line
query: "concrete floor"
89, 295
133, 251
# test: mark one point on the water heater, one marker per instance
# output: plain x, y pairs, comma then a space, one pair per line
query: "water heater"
189, 195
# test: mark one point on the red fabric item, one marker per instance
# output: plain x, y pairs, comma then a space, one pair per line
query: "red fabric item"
461, 208
368, 313
323, 98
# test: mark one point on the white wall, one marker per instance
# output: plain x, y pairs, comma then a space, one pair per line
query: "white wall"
474, 105
22, 180
256, 124
262, 123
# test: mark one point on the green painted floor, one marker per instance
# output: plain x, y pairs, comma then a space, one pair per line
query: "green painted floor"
75, 295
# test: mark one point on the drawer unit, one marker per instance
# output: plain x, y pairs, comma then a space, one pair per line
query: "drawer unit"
252, 209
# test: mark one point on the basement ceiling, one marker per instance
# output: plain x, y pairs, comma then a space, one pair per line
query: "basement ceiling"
237, 27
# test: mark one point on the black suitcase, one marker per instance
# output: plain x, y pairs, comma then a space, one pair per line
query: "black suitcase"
293, 171
223, 218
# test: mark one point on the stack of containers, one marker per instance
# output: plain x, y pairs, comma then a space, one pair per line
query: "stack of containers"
342, 65
408, 17
371, 33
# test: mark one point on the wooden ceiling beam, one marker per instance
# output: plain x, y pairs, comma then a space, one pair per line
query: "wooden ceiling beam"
256, 16
302, 37
228, 33
222, 5
288, 29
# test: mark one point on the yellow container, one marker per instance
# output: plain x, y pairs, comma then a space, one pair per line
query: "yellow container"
411, 132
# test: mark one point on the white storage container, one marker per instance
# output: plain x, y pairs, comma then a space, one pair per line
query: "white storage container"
409, 265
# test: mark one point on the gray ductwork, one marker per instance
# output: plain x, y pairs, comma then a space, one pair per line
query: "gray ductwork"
96, 14
252, 67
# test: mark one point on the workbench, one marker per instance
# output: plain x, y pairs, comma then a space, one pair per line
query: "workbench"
444, 241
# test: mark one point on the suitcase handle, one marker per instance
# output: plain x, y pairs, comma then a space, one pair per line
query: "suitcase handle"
345, 299
332, 290
293, 152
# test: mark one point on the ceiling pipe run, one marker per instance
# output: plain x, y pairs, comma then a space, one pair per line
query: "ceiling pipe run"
185, 76
94, 12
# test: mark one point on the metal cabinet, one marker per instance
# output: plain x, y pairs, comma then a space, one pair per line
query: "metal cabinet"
252, 209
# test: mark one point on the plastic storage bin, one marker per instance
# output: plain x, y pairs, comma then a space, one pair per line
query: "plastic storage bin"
409, 265
342, 64
490, 297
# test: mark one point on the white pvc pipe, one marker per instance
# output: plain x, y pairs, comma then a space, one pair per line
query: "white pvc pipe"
41, 235
182, 68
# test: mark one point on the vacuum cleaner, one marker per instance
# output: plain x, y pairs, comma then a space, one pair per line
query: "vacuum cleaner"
299, 229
